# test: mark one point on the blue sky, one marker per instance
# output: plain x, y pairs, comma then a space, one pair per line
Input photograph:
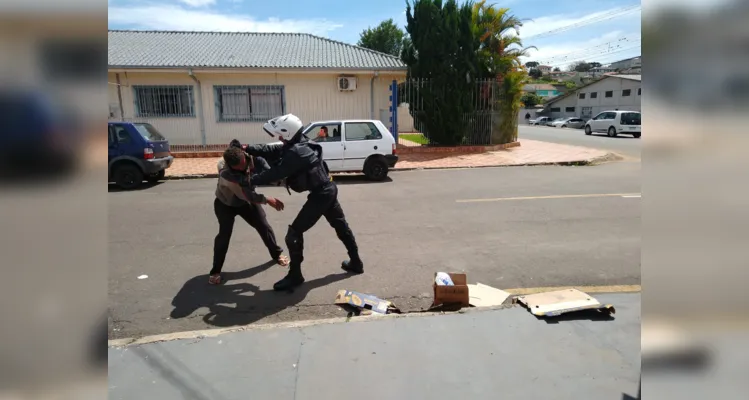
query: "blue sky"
604, 41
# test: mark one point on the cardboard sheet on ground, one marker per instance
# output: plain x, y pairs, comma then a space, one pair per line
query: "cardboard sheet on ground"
364, 302
551, 304
481, 295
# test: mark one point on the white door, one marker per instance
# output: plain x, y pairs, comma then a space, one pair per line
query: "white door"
328, 135
361, 139
596, 123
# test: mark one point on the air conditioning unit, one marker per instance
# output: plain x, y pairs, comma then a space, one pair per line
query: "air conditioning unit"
346, 83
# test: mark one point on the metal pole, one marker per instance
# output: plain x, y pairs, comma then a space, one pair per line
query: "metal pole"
199, 106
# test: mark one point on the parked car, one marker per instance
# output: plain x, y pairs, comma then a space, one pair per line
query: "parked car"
551, 123
355, 146
615, 123
575, 123
137, 151
539, 121
35, 122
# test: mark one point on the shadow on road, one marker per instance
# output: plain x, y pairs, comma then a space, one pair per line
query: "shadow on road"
615, 137
197, 293
112, 188
356, 180
582, 315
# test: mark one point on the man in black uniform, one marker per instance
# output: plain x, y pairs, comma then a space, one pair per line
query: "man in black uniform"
300, 163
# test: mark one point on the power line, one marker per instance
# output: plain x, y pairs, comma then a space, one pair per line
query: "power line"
593, 58
599, 18
608, 46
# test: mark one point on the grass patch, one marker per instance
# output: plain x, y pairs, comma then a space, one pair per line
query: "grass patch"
414, 137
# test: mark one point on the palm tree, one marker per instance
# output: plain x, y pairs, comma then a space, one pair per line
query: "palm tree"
499, 55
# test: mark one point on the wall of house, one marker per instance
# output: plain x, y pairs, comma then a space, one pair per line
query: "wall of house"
311, 96
601, 102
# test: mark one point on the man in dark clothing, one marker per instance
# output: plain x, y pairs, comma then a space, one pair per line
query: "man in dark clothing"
300, 163
235, 196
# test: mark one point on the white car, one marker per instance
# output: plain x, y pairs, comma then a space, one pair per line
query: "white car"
540, 121
362, 145
551, 123
575, 123
616, 122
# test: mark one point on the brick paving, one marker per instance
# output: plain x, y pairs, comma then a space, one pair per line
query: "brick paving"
528, 153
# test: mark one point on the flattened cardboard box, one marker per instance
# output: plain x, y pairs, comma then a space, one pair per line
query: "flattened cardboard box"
364, 301
453, 295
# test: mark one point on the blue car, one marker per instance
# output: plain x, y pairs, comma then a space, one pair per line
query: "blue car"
137, 152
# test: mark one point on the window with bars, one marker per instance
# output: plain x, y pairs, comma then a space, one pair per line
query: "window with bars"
249, 103
164, 101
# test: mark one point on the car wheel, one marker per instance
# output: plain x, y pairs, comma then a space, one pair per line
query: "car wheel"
376, 169
153, 178
128, 176
637, 135
587, 130
612, 132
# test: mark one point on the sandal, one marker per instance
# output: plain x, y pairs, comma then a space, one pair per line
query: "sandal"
283, 261
214, 279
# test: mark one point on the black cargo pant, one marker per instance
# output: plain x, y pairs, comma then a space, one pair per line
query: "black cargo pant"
255, 216
320, 202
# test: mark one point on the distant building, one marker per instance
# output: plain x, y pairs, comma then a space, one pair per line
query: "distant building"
612, 92
545, 69
544, 90
629, 63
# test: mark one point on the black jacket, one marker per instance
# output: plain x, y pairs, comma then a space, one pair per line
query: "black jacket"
299, 161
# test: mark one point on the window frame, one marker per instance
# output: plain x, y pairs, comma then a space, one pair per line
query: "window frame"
567, 109
593, 95
555, 109
138, 100
218, 100
608, 94
626, 92
313, 126
372, 124
581, 96
639, 91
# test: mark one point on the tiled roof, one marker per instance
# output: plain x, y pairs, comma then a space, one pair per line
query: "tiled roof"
164, 49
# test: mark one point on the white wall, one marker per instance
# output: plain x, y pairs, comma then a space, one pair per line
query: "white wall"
310, 96
601, 102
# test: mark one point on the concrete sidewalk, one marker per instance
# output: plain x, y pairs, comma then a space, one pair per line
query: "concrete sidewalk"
530, 152
479, 354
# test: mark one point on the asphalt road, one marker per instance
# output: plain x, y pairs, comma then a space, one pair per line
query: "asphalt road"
623, 145
407, 228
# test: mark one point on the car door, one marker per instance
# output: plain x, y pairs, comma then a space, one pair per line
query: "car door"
126, 145
114, 150
332, 143
361, 139
595, 123
608, 120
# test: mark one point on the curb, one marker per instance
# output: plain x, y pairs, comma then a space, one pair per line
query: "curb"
608, 157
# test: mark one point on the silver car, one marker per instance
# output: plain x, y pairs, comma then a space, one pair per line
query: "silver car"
575, 123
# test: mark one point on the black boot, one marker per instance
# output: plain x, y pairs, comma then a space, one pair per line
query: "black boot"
354, 266
289, 282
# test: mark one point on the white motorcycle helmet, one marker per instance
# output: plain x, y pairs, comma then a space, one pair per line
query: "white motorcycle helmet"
285, 126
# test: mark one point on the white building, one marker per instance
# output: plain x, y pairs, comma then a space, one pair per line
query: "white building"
629, 63
613, 92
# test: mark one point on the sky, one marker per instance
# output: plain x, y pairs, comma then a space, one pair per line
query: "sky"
563, 31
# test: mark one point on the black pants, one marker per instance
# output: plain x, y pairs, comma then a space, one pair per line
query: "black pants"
255, 216
321, 202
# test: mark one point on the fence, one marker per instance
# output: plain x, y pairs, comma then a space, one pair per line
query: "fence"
469, 112
207, 117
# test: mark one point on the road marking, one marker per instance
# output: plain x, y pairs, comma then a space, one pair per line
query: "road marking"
565, 196
586, 289
632, 196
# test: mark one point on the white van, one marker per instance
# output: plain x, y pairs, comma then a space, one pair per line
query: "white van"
362, 145
616, 122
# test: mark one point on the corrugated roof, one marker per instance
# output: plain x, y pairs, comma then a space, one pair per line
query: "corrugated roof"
630, 77
164, 49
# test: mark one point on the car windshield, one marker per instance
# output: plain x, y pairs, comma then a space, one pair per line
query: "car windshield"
149, 132
631, 118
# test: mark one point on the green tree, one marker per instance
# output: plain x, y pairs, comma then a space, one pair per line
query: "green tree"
386, 38
532, 64
442, 49
557, 69
530, 100
580, 66
535, 73
499, 57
